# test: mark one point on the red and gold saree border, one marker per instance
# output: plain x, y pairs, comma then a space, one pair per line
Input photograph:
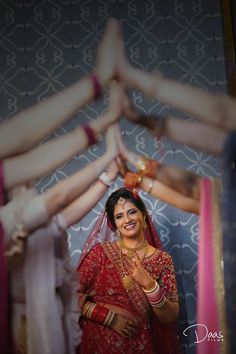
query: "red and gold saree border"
136, 295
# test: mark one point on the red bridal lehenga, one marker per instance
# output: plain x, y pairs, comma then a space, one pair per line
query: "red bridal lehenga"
101, 269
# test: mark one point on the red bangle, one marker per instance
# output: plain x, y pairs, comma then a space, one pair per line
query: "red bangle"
96, 86
99, 314
132, 180
90, 134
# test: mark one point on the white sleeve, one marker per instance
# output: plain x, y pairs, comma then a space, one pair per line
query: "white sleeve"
11, 213
8, 219
59, 224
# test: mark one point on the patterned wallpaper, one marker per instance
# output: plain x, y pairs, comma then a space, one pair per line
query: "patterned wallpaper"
46, 45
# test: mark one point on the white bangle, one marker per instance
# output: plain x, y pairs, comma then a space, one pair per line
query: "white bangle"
105, 179
150, 186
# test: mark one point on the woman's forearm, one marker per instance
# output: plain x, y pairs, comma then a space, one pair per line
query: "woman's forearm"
182, 182
74, 212
186, 132
63, 193
43, 158
215, 109
27, 128
169, 195
50, 155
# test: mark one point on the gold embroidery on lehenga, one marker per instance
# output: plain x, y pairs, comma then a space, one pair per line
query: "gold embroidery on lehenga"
135, 293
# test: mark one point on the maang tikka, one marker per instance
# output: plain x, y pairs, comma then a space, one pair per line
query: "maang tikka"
121, 201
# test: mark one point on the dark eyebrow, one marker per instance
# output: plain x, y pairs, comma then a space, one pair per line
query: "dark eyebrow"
115, 215
121, 213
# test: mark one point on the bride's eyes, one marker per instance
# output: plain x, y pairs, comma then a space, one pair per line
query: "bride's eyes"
132, 211
118, 216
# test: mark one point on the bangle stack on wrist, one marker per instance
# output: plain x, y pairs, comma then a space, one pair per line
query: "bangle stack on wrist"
132, 180
147, 167
150, 186
99, 314
155, 296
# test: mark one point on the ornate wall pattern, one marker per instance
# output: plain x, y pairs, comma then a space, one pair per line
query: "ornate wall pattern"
46, 45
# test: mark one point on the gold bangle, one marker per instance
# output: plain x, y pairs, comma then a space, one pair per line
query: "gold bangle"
141, 166
150, 186
109, 318
147, 167
86, 308
152, 289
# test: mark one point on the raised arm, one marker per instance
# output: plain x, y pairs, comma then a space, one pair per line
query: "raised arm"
52, 154
179, 130
27, 128
184, 182
63, 193
85, 202
214, 109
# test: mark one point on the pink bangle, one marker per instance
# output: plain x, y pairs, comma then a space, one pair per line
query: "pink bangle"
96, 86
90, 134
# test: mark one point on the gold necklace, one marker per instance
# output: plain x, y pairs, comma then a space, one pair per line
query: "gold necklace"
127, 280
130, 251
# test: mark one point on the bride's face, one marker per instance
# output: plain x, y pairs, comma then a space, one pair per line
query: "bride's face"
129, 219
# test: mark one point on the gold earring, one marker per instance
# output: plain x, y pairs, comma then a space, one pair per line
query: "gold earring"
144, 224
118, 234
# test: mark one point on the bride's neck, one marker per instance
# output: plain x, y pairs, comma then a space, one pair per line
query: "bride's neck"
133, 242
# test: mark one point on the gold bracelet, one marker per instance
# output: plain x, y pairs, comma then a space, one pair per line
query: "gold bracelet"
150, 186
109, 318
141, 165
156, 286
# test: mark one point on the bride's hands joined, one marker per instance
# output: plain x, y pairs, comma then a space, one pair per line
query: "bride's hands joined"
127, 155
114, 111
107, 52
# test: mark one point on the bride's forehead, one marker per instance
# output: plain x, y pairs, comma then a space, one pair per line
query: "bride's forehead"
124, 205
